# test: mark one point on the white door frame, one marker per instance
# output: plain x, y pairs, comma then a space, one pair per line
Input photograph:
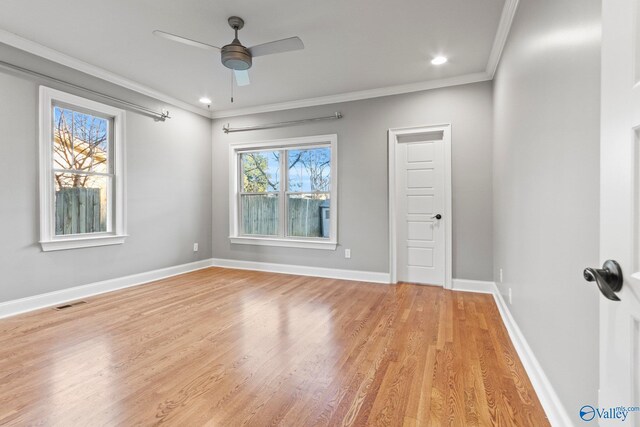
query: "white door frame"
394, 133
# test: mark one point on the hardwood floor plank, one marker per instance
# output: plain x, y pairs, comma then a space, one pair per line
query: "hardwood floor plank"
230, 347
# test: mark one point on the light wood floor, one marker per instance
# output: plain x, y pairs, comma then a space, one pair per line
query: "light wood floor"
229, 348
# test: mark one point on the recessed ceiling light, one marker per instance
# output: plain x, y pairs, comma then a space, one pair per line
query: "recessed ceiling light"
205, 100
439, 60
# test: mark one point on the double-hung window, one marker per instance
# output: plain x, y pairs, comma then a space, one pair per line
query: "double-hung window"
81, 172
284, 192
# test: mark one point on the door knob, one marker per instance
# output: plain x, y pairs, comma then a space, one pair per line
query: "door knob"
608, 278
437, 216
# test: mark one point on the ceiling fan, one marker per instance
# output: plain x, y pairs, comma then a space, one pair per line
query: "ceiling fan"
236, 56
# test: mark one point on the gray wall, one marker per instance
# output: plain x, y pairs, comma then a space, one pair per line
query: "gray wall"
168, 185
530, 208
546, 201
363, 162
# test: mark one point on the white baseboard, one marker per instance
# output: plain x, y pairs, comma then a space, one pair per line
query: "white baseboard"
11, 308
548, 398
301, 270
479, 286
23, 305
554, 409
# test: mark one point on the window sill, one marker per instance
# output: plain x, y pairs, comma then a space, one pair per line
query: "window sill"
81, 242
287, 243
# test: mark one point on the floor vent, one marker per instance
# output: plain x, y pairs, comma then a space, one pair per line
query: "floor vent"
71, 304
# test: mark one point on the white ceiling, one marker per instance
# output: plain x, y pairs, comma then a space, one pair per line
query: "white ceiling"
350, 45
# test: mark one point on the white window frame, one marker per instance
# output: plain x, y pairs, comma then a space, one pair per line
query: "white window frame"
317, 141
48, 239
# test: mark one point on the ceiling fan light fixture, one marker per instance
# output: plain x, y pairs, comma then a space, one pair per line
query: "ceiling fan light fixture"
236, 56
205, 100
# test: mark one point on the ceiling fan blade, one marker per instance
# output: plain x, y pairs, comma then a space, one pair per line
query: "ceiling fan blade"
242, 77
183, 40
278, 46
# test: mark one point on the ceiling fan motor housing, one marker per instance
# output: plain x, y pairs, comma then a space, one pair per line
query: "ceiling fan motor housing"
236, 56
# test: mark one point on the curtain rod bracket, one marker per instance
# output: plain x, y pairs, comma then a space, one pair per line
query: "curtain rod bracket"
164, 114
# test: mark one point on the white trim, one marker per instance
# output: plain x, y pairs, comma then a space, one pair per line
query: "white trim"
548, 398
11, 308
81, 242
45, 52
393, 142
234, 176
275, 143
285, 243
556, 413
354, 96
506, 19
48, 240
302, 270
478, 286
499, 41
502, 32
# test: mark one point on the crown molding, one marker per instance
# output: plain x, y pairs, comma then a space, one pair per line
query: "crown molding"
504, 26
499, 41
354, 96
37, 49
502, 33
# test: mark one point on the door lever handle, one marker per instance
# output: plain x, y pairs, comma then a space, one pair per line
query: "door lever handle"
437, 216
608, 278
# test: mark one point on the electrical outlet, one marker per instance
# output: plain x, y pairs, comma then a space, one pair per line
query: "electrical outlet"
510, 297
500, 275
347, 253
195, 247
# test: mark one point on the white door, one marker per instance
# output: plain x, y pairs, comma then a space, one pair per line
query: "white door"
619, 208
420, 207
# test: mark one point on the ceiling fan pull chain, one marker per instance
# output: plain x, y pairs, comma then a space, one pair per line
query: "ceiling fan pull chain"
232, 86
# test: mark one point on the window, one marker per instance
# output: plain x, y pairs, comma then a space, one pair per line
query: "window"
81, 172
284, 193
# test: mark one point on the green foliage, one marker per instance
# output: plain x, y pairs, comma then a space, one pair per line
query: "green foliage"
256, 176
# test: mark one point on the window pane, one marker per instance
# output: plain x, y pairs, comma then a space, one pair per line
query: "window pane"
309, 215
260, 171
80, 141
309, 170
260, 214
80, 203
